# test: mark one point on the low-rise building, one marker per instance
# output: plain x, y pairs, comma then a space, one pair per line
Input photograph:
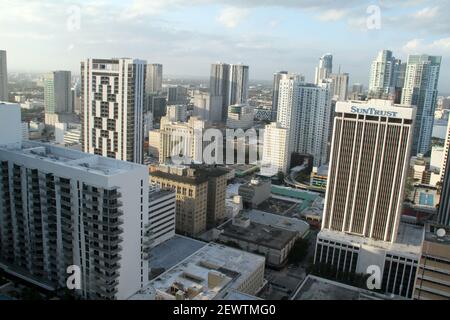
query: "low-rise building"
255, 192
161, 214
208, 274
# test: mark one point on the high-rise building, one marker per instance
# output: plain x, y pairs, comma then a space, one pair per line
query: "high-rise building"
176, 113
420, 90
444, 205
367, 175
63, 208
276, 153
340, 86
207, 107
161, 214
58, 92
153, 80
112, 95
219, 87
324, 69
275, 91
305, 109
382, 76
238, 84
368, 168
4, 94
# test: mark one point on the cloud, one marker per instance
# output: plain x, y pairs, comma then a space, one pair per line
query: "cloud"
231, 17
332, 15
418, 46
427, 13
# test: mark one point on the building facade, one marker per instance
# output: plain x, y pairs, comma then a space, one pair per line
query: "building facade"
324, 69
161, 214
4, 94
58, 92
154, 75
112, 98
276, 152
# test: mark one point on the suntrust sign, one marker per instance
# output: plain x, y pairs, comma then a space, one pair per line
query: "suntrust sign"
374, 112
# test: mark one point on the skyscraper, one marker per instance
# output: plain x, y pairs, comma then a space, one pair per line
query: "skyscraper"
368, 167
238, 84
3, 77
154, 75
112, 95
276, 153
324, 69
340, 86
219, 88
305, 109
58, 92
382, 74
420, 89
62, 208
275, 91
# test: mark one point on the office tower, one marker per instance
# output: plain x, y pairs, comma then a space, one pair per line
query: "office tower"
367, 176
112, 95
238, 84
58, 100
357, 88
240, 116
191, 194
324, 69
207, 107
433, 275
181, 140
340, 86
276, 153
177, 113
219, 87
382, 74
275, 91
444, 205
305, 109
420, 90
368, 167
153, 80
4, 94
161, 214
157, 105
62, 207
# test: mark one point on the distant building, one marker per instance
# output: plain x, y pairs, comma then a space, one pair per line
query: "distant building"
324, 69
153, 80
57, 92
319, 177
255, 192
340, 86
240, 116
275, 92
176, 113
4, 93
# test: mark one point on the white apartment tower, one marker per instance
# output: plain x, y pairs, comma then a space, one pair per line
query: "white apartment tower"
275, 92
60, 207
112, 94
276, 153
368, 168
340, 86
161, 210
420, 90
324, 69
382, 73
305, 109
3, 76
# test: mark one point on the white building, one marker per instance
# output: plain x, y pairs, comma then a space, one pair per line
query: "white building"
382, 73
306, 110
177, 113
340, 86
275, 92
324, 69
154, 138
67, 134
420, 89
153, 80
207, 107
207, 274
63, 207
25, 131
240, 116
436, 159
276, 152
4, 94
161, 210
112, 108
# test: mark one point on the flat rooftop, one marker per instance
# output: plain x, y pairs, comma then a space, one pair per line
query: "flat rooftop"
265, 235
191, 277
316, 288
266, 218
71, 158
409, 239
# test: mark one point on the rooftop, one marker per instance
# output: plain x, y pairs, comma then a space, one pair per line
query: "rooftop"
316, 288
278, 221
70, 158
264, 235
204, 274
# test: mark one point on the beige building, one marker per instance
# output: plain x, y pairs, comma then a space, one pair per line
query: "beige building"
433, 277
191, 194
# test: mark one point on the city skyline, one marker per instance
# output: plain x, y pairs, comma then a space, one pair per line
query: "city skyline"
269, 36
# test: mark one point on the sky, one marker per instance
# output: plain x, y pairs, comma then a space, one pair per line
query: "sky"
186, 36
